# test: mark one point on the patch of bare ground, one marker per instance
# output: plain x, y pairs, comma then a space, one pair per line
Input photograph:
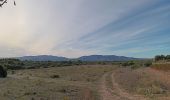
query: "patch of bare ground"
105, 92
110, 89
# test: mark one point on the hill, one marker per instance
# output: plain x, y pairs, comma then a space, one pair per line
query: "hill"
106, 58
43, 58
83, 58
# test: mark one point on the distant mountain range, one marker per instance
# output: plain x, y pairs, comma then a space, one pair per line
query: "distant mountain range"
43, 58
83, 58
106, 58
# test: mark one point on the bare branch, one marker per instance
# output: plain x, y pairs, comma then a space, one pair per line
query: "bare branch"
5, 1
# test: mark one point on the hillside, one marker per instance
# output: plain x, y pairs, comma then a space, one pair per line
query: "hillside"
83, 58
43, 58
106, 58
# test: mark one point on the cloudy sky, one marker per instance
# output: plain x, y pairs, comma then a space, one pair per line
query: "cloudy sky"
72, 28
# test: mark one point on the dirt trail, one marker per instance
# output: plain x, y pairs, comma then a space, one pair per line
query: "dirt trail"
114, 92
108, 88
106, 94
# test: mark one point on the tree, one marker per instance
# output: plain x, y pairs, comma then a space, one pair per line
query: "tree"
168, 57
162, 57
2, 2
157, 57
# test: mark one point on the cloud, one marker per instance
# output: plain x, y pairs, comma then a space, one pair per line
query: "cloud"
82, 27
148, 26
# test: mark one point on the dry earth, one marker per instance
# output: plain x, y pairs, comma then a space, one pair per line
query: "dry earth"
113, 91
58, 83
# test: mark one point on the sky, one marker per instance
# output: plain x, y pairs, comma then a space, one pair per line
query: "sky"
73, 28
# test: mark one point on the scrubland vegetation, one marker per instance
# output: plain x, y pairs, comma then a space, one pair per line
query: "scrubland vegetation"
144, 81
161, 62
77, 80
137, 64
163, 67
162, 58
55, 83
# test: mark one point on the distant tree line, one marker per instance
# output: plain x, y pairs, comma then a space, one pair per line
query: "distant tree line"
11, 63
162, 57
134, 64
16, 64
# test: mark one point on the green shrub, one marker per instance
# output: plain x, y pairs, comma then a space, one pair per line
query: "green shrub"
128, 63
148, 64
12, 64
55, 76
135, 66
125, 64
3, 72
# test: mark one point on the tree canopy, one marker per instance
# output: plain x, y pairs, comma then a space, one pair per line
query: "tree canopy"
162, 57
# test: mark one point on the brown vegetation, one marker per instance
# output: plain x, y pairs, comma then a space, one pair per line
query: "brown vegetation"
109, 81
144, 81
55, 83
161, 66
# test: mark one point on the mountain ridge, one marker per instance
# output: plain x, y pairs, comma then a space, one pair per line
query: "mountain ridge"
82, 58
43, 58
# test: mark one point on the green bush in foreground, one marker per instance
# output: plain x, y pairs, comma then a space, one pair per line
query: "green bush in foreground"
3, 72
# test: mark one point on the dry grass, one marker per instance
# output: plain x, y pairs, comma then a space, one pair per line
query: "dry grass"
81, 83
161, 66
144, 81
60, 83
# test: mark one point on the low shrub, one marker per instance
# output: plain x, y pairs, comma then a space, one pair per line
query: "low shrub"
135, 66
55, 76
128, 63
3, 72
148, 64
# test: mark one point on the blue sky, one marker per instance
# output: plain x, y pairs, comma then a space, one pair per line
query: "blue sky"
72, 28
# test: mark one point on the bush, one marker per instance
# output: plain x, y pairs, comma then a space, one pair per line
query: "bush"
55, 76
128, 63
135, 66
12, 64
3, 72
125, 64
148, 64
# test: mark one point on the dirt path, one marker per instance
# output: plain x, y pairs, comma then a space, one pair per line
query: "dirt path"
108, 88
106, 94
114, 92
